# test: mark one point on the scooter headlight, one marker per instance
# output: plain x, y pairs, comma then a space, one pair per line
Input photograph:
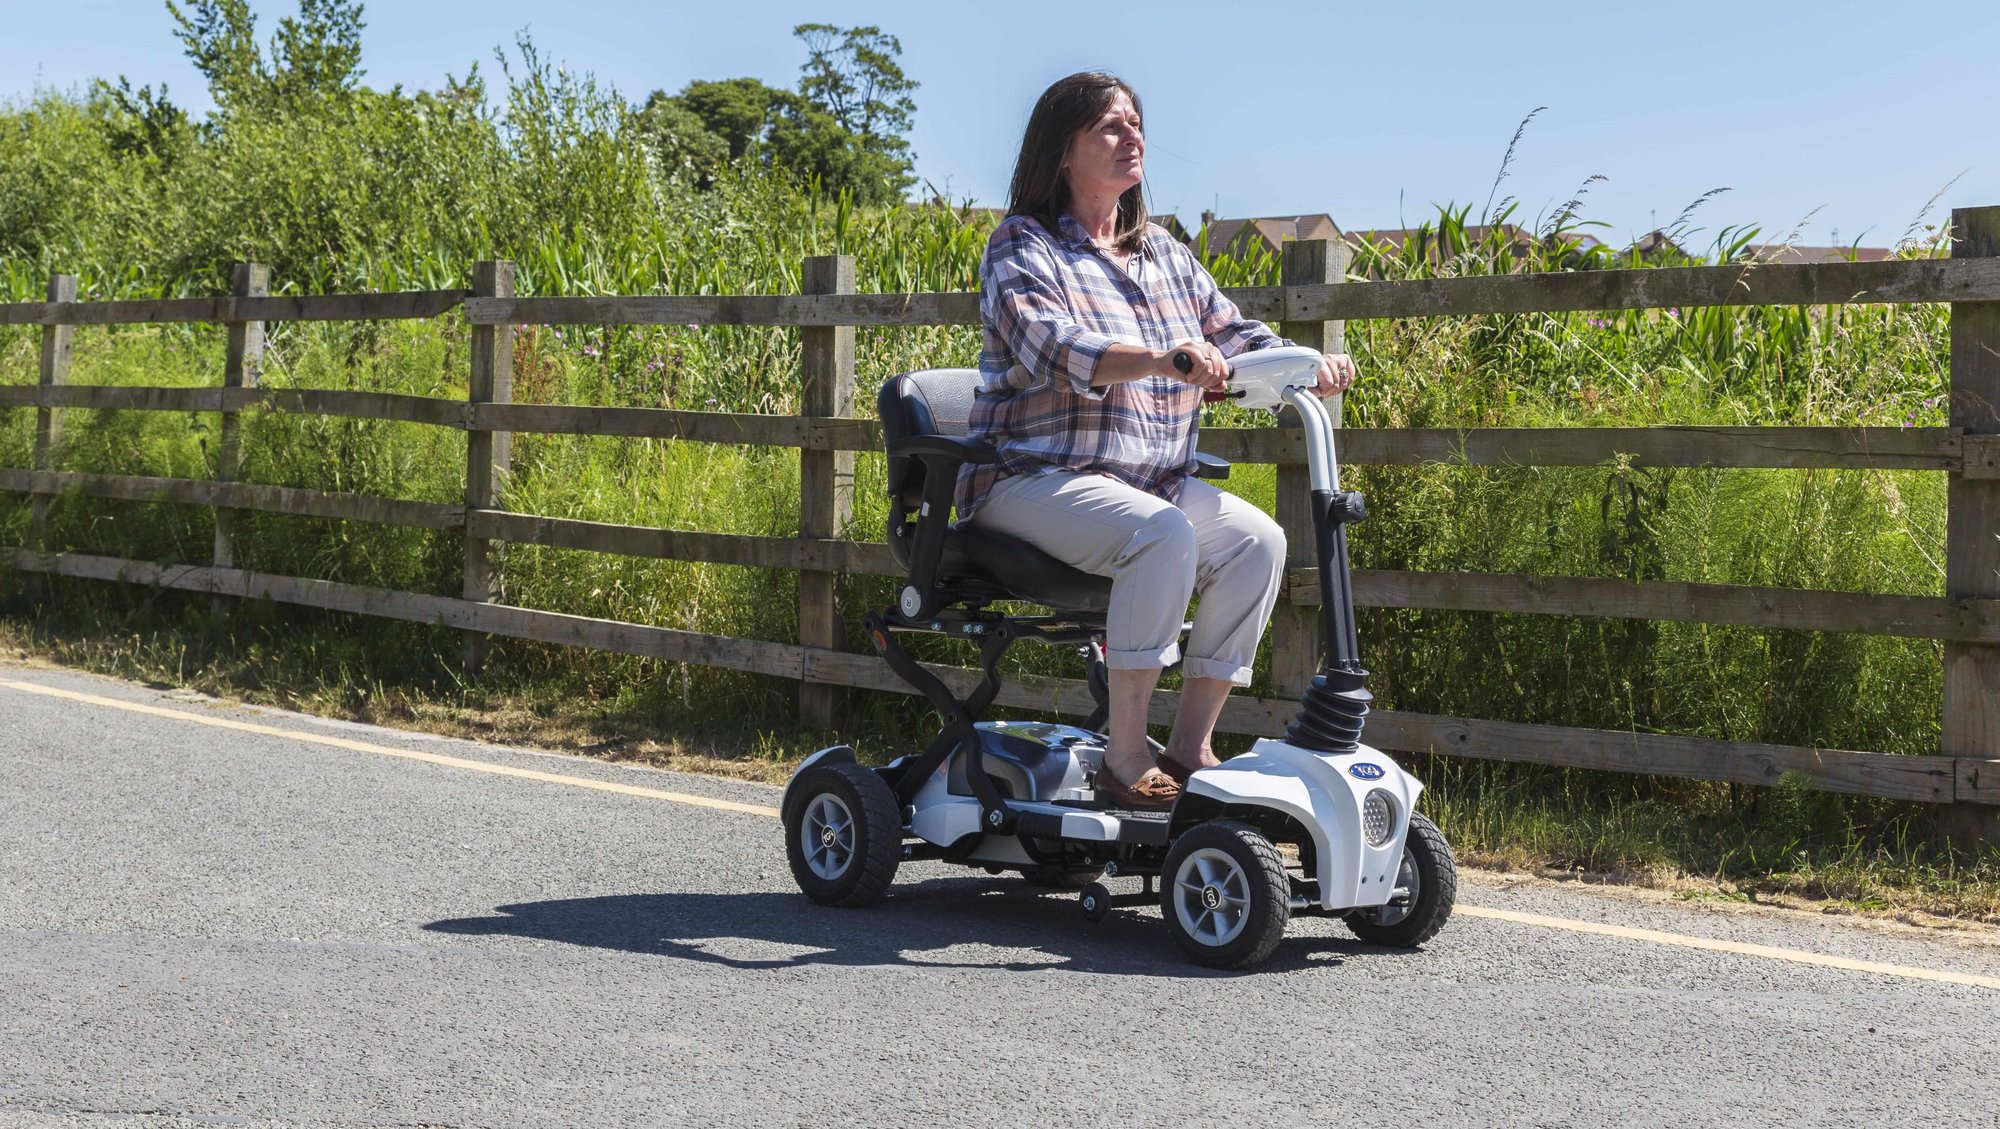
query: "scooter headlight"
1378, 817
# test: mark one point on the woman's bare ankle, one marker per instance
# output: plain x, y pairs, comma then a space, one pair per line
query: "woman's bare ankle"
1128, 761
1201, 756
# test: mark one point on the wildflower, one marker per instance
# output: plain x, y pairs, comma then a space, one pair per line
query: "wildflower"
694, 325
1673, 311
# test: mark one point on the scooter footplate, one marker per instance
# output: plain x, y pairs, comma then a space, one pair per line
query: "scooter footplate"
1090, 823
1142, 828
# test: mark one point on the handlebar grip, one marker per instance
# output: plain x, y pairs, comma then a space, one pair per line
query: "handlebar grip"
1184, 365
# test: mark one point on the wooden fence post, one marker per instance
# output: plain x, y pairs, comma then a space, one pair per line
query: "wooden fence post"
1972, 540
241, 367
488, 454
1296, 638
826, 478
56, 346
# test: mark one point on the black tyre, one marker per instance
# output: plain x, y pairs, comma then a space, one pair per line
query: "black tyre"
843, 834
1225, 895
1095, 902
1430, 874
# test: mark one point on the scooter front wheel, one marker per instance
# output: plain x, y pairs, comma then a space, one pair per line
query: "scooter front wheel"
1225, 895
1429, 875
843, 836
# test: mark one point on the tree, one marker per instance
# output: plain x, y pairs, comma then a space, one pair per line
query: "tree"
318, 52
737, 110
812, 143
315, 53
141, 123
842, 127
852, 74
680, 141
709, 124
855, 108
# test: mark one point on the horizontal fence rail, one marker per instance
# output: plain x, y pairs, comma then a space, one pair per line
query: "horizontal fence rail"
1925, 617
1816, 284
238, 495
1916, 280
1799, 448
311, 307
1966, 619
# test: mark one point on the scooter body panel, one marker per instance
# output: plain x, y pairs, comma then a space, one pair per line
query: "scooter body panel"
1325, 793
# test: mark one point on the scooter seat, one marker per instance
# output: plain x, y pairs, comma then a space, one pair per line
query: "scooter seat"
1010, 568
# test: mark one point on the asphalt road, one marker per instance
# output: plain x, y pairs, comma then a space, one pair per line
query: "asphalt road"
206, 924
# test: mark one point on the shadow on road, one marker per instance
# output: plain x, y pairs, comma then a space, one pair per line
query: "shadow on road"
941, 923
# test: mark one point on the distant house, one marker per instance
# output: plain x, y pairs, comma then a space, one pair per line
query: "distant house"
1243, 238
1789, 254
1172, 223
993, 216
1520, 241
1392, 242
1655, 246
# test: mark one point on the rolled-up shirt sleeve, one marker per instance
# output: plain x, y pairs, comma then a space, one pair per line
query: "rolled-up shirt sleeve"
1022, 299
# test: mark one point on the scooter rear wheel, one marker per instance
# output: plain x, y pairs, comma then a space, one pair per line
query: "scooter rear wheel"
1225, 895
843, 835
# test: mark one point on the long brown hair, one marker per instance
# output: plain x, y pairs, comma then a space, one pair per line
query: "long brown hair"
1039, 189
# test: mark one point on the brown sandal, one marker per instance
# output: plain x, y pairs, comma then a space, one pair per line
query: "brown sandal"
1153, 790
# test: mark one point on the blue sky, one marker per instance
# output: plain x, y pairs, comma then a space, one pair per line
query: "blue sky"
1835, 117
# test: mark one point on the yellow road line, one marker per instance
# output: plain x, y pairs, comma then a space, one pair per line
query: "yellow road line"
406, 754
1652, 936
1767, 952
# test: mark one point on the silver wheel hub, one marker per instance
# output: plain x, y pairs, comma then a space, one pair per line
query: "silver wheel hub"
1211, 897
827, 835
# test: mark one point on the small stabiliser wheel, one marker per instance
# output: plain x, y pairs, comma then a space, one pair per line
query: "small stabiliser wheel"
1427, 886
1095, 901
1225, 895
843, 834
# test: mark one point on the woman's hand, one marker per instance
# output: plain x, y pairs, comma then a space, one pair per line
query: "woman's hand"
1336, 374
1208, 371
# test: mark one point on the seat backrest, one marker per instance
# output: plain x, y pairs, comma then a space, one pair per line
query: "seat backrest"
932, 401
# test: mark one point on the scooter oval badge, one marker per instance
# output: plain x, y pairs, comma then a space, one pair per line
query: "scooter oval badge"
1365, 771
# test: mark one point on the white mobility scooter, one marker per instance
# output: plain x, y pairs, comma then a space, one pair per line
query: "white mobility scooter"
1008, 795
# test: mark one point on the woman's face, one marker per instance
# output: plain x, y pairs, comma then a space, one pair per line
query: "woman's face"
1108, 156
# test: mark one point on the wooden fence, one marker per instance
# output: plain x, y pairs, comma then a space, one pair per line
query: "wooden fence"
1310, 306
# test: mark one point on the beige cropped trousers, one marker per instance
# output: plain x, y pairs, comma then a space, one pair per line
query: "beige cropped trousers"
1157, 554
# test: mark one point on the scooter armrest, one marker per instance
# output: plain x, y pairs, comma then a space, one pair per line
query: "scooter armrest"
1209, 466
954, 447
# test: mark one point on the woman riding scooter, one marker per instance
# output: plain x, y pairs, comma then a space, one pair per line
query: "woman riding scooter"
1085, 306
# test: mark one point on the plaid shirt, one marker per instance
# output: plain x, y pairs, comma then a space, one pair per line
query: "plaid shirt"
1051, 305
